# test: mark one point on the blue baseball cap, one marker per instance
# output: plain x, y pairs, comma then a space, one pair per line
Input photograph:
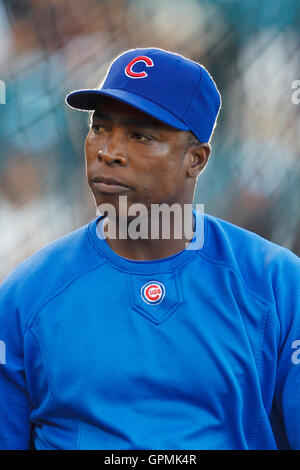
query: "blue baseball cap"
165, 85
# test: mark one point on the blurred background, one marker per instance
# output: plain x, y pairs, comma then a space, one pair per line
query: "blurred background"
50, 47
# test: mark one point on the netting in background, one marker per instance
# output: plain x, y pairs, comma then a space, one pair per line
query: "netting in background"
48, 48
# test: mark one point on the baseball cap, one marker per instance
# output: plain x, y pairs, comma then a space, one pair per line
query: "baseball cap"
163, 84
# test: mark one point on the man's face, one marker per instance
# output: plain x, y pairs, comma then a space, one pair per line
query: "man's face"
139, 156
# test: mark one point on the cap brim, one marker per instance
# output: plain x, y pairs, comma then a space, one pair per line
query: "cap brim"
87, 100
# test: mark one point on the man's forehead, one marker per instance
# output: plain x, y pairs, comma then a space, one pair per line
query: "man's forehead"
111, 109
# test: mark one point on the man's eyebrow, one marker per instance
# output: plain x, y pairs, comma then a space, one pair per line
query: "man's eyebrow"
99, 115
143, 123
127, 121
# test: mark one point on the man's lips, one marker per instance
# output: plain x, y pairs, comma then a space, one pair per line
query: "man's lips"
109, 185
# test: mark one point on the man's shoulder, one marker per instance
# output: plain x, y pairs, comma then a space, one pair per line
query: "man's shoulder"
260, 263
62, 250
51, 268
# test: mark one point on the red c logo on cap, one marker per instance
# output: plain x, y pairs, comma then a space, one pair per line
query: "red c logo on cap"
131, 74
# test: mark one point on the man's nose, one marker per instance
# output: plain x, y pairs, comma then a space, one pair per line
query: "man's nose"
113, 151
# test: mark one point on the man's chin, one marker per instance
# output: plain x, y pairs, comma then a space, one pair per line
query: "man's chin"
117, 208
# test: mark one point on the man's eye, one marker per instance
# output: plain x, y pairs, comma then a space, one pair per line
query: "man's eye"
141, 137
98, 129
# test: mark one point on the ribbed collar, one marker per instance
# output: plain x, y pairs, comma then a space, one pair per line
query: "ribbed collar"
150, 266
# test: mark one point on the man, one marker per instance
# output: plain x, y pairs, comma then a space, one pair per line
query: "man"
112, 341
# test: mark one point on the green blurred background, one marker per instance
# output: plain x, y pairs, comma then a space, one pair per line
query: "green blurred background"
48, 48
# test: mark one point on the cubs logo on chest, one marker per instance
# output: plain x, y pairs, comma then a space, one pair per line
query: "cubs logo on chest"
153, 292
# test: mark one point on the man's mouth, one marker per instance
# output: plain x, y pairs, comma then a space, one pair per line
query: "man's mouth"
109, 185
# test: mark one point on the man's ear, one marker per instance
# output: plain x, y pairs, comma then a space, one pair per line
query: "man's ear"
197, 157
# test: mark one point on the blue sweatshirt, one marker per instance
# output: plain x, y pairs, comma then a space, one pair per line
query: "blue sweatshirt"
200, 350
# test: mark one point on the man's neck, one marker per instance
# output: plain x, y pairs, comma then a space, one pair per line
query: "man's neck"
151, 248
